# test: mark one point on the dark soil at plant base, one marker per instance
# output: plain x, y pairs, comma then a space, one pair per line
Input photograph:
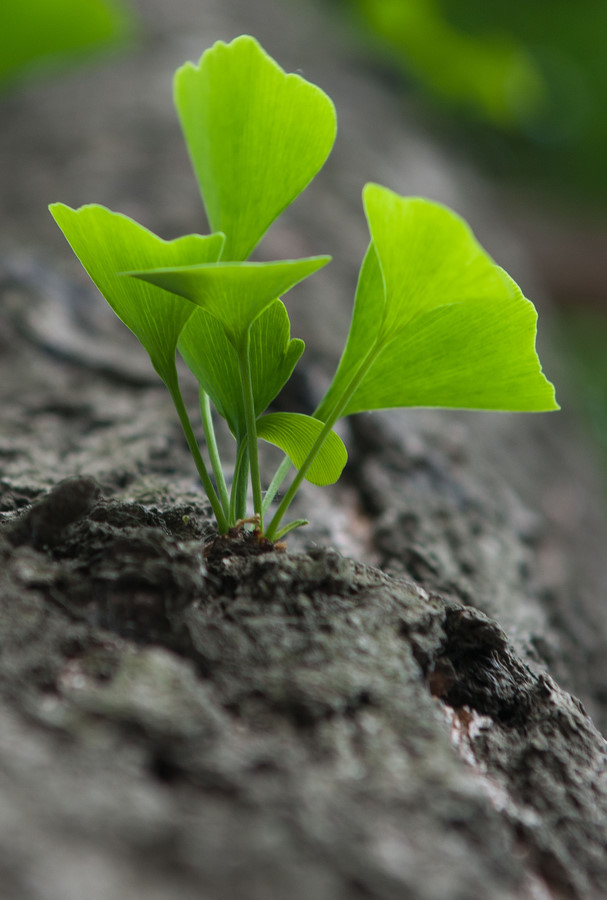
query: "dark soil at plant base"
302, 708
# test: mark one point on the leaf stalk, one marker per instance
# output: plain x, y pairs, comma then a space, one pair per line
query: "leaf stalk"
211, 442
222, 522
251, 420
330, 421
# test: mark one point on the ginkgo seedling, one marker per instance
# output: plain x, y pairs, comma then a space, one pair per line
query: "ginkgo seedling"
435, 323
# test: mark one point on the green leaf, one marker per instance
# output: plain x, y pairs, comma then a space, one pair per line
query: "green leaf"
256, 137
295, 434
214, 362
291, 526
234, 292
460, 357
273, 354
106, 242
452, 329
428, 257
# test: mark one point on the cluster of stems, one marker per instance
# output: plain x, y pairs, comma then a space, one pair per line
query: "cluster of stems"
229, 506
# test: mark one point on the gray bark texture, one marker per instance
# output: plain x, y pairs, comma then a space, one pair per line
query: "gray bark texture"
385, 710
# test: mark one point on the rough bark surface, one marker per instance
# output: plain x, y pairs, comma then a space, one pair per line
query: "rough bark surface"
184, 719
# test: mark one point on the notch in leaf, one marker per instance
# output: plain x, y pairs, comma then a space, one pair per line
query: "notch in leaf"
436, 322
256, 137
214, 362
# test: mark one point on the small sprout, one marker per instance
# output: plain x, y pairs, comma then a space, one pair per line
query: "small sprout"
436, 322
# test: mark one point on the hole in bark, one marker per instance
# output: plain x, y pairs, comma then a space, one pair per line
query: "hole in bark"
165, 769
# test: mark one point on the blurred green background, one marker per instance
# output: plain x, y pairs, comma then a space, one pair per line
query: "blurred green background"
523, 86
39, 36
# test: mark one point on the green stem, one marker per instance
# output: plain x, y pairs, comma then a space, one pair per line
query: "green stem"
338, 409
279, 477
249, 407
209, 434
238, 495
222, 523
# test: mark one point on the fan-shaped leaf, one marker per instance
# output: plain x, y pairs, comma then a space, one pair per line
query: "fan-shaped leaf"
214, 362
256, 137
295, 434
106, 242
234, 292
448, 328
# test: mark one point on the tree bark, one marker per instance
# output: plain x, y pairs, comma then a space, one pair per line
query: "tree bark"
381, 711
